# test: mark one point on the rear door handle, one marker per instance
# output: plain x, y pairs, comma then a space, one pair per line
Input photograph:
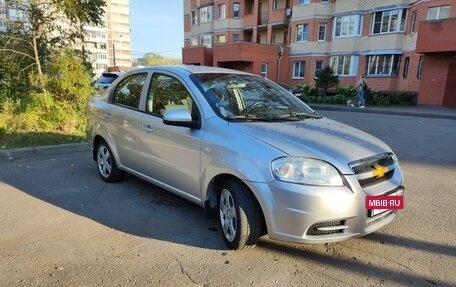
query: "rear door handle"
148, 129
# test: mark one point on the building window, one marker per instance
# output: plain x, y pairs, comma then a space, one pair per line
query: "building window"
206, 40
301, 2
264, 70
420, 67
273, 38
389, 21
206, 14
437, 13
348, 26
194, 18
302, 33
194, 41
406, 67
274, 5
318, 67
383, 65
413, 23
344, 65
235, 37
236, 9
298, 69
322, 32
324, 1
221, 39
221, 12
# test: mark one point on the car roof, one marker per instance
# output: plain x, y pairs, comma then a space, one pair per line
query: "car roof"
190, 69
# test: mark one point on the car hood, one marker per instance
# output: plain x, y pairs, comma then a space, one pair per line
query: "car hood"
323, 138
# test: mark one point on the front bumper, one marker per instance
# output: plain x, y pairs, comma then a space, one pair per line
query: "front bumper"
316, 214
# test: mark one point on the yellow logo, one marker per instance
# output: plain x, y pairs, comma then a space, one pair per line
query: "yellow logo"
379, 171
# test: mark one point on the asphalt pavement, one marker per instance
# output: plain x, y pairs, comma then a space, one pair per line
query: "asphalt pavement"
415, 111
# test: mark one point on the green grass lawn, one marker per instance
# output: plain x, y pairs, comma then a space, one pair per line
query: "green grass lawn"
12, 140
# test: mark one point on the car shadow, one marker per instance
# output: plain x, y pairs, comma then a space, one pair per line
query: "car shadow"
136, 207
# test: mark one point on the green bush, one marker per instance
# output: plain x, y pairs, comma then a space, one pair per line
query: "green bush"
307, 90
59, 105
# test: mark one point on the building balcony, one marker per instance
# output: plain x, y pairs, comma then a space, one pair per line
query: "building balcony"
244, 52
197, 55
436, 36
278, 16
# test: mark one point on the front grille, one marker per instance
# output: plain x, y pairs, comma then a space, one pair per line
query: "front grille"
375, 169
328, 227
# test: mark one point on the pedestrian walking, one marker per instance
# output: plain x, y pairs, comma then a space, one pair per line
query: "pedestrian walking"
360, 87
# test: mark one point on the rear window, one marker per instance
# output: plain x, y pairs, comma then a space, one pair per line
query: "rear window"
108, 78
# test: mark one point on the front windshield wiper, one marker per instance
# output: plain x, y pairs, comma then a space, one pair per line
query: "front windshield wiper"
252, 117
301, 116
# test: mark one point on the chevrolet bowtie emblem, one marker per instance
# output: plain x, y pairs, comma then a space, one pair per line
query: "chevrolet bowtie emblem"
379, 171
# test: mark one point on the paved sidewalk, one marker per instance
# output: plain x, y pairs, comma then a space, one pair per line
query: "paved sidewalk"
417, 111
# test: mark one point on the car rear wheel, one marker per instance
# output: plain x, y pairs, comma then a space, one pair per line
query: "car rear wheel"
240, 218
106, 164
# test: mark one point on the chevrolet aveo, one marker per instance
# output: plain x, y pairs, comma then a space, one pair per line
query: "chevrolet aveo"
246, 150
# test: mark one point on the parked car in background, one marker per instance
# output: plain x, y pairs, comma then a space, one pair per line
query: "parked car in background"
106, 79
246, 150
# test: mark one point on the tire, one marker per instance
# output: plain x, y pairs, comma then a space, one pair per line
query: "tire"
106, 163
239, 215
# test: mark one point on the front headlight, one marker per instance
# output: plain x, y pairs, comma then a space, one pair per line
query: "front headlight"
305, 171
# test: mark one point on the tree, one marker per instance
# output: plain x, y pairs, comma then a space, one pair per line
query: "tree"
40, 34
151, 59
326, 79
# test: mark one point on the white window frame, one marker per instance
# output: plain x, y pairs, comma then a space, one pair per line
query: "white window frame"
194, 17
221, 39
438, 9
344, 65
419, 73
318, 69
221, 11
387, 20
194, 40
299, 69
383, 64
264, 70
324, 26
303, 2
206, 14
206, 40
302, 31
348, 26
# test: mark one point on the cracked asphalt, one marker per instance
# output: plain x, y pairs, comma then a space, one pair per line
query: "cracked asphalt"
61, 225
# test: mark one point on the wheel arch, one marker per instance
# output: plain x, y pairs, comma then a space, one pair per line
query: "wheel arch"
212, 195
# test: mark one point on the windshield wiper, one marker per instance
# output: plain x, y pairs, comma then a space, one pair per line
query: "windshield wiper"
252, 117
300, 116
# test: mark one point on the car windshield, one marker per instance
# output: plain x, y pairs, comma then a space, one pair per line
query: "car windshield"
244, 97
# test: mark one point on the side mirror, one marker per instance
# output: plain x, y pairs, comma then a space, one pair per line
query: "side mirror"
180, 118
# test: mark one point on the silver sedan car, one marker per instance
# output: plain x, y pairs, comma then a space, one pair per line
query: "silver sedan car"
246, 150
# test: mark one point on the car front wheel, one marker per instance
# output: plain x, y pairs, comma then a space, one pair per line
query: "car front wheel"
106, 164
240, 218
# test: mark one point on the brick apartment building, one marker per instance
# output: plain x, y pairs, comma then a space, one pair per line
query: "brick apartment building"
407, 45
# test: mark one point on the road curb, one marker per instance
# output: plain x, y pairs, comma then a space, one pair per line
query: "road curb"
29, 152
388, 112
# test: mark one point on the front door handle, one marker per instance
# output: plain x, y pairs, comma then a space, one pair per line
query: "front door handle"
148, 129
